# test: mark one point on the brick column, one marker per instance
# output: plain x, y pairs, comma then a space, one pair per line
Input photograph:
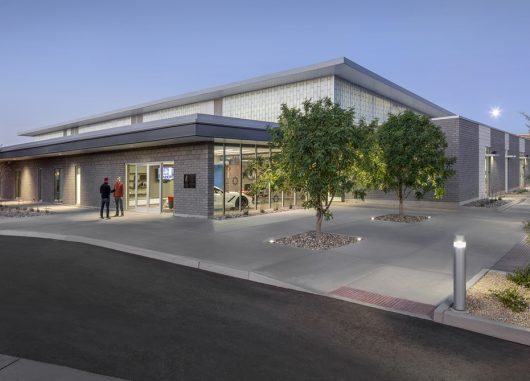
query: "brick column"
194, 160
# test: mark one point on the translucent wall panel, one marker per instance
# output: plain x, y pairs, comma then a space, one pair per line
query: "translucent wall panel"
264, 104
366, 104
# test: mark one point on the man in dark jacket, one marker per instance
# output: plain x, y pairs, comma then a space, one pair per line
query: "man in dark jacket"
104, 190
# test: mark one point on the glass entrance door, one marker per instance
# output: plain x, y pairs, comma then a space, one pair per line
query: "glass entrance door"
144, 187
142, 184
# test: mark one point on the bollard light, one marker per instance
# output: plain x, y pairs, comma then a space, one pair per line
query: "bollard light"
459, 274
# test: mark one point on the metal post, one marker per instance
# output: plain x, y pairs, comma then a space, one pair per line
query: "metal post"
459, 274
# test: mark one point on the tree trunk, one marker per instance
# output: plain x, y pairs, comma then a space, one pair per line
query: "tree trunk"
400, 195
318, 227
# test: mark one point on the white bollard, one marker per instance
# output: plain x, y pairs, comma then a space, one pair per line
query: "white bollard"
459, 274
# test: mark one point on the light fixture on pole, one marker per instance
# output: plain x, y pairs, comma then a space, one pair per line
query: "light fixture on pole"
459, 274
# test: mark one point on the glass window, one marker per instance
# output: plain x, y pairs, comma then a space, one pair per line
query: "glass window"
248, 157
131, 186
263, 199
167, 187
218, 179
18, 184
57, 185
277, 196
233, 200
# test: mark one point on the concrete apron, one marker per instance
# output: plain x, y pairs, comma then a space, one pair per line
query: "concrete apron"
205, 266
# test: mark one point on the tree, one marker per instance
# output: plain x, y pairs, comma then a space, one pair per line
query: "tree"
319, 148
412, 157
266, 174
527, 117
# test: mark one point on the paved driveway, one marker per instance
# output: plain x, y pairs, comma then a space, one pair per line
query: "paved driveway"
410, 261
130, 317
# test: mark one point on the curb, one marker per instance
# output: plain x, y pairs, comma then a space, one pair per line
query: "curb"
165, 257
444, 314
488, 327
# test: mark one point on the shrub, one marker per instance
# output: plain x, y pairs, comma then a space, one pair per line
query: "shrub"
520, 276
526, 226
512, 299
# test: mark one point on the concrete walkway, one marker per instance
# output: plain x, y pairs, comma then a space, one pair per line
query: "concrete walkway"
406, 261
17, 369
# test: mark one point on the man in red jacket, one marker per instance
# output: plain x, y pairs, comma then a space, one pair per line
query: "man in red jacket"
118, 196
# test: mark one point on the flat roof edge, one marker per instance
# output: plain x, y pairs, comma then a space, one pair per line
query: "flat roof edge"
147, 126
331, 67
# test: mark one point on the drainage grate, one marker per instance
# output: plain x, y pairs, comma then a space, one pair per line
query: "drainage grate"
398, 304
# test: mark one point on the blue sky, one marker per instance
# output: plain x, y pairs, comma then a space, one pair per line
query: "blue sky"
60, 60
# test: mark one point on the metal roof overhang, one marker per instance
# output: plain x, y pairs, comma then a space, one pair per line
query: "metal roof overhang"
181, 130
341, 67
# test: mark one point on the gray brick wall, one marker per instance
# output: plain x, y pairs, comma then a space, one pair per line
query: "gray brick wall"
94, 167
196, 160
467, 165
497, 163
451, 129
513, 164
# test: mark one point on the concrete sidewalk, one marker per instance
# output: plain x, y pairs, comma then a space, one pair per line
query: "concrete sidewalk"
407, 261
17, 369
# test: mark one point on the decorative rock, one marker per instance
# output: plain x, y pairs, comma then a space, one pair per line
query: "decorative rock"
409, 219
308, 240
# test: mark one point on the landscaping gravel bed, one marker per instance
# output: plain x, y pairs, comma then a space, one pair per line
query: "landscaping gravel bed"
326, 241
486, 203
409, 219
483, 304
10, 212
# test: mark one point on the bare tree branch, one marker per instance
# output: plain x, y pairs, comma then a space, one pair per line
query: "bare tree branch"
528, 119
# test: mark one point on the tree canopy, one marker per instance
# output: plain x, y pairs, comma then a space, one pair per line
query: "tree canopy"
321, 153
411, 154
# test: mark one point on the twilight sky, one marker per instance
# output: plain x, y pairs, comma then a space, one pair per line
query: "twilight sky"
61, 60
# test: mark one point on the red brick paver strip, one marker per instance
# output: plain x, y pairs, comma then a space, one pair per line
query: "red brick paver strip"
398, 304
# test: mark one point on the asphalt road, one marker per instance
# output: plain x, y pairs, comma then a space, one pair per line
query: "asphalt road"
111, 313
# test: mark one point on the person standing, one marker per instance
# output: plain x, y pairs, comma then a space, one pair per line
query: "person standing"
118, 196
105, 191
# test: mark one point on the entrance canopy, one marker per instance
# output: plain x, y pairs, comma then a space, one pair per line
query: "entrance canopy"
179, 130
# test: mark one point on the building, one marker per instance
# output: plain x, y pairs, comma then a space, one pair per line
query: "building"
189, 154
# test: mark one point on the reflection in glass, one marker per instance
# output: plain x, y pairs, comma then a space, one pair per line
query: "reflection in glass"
167, 178
218, 179
131, 185
232, 194
141, 186
154, 187
263, 193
